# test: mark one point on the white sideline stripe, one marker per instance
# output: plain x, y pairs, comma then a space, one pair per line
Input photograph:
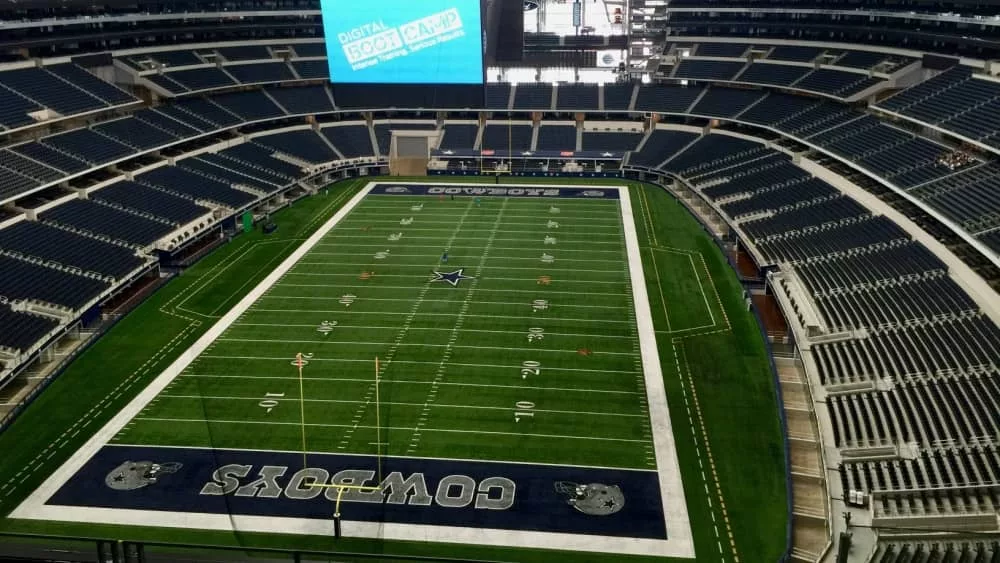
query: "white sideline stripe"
668, 467
362, 343
509, 317
408, 381
341, 326
405, 404
679, 542
409, 428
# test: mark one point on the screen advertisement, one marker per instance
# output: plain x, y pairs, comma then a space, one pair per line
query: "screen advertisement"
404, 41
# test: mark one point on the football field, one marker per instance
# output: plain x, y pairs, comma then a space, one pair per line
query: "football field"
470, 364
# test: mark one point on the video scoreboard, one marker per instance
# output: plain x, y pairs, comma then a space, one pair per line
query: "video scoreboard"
404, 42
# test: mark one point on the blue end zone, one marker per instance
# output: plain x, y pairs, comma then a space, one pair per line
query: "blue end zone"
499, 191
513, 496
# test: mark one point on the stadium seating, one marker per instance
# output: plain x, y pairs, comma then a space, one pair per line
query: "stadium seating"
105, 221
459, 136
34, 240
498, 96
254, 73
305, 145
135, 133
196, 79
693, 69
576, 97
617, 97
353, 141
557, 138
195, 187
23, 330
302, 100
22, 281
794, 53
726, 102
138, 198
773, 74
835, 82
533, 96
659, 146
729, 50
312, 69
88, 146
61, 88
955, 100
503, 136
671, 99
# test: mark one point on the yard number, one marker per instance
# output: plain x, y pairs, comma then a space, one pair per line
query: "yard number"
530, 367
535, 333
305, 360
326, 327
523, 409
270, 401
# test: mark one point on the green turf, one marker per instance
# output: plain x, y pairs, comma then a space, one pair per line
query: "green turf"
723, 381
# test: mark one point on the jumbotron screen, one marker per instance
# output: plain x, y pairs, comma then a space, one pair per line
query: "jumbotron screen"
404, 41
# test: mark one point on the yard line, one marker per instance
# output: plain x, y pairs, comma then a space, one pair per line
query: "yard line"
339, 326
387, 360
294, 377
402, 404
498, 290
419, 344
455, 330
443, 430
508, 317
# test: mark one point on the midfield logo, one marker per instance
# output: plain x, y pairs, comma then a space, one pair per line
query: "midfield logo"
451, 277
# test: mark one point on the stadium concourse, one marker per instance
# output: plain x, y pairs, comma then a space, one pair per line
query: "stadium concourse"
265, 291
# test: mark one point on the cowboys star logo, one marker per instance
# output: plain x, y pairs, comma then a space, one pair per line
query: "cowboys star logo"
452, 278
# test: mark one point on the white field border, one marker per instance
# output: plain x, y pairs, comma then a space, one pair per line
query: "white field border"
679, 542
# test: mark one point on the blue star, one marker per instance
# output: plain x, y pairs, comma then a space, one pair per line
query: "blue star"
451, 277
